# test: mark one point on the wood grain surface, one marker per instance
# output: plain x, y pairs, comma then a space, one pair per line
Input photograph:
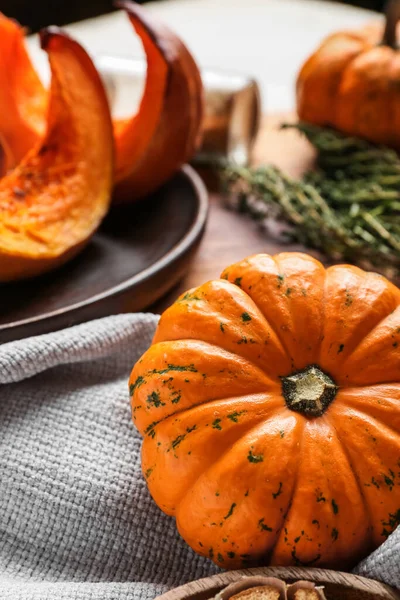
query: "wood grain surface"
337, 585
139, 253
230, 236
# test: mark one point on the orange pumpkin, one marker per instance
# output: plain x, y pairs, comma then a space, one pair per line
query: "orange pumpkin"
23, 99
164, 134
270, 407
352, 82
54, 200
151, 145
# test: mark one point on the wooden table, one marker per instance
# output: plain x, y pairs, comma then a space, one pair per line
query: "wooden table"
231, 236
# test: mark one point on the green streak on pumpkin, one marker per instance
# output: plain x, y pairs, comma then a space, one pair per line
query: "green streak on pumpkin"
245, 317
216, 424
189, 296
263, 526
392, 522
230, 512
340, 348
221, 326
334, 534
335, 507
235, 415
389, 481
349, 298
375, 483
134, 386
176, 397
148, 473
238, 281
231, 554
315, 522
220, 558
150, 428
254, 458
191, 368
301, 563
154, 399
178, 440
279, 492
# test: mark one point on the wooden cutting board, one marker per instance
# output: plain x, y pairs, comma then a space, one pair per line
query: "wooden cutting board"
231, 236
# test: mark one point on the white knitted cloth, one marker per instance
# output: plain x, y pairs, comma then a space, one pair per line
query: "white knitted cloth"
76, 520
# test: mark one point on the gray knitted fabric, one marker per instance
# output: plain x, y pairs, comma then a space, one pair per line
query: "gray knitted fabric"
76, 520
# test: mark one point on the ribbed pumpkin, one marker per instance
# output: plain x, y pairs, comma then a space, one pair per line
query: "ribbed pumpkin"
270, 407
352, 82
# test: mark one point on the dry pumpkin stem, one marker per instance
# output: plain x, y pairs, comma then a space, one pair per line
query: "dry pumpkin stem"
348, 207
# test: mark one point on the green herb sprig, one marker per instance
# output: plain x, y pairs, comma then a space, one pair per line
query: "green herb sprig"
348, 207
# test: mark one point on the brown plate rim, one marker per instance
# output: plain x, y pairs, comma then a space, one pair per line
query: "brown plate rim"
192, 235
215, 583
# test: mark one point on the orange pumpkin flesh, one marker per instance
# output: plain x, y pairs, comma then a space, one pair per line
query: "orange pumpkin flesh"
269, 404
54, 200
23, 99
351, 83
152, 145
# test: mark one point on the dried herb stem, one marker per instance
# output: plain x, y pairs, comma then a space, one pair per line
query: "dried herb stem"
349, 207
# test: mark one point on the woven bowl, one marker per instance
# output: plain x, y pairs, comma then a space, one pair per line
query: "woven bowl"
337, 585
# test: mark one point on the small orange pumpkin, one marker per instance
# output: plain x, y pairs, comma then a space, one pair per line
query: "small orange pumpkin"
352, 82
270, 407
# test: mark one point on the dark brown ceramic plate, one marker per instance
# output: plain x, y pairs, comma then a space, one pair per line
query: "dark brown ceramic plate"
140, 252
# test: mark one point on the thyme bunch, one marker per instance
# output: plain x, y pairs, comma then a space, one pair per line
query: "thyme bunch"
348, 208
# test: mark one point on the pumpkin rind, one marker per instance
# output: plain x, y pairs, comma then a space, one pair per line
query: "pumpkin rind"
23, 99
165, 132
54, 200
249, 480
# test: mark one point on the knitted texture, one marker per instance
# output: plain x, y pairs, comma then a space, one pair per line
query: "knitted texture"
76, 519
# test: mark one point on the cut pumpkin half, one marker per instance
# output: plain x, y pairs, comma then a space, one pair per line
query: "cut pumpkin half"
54, 200
154, 143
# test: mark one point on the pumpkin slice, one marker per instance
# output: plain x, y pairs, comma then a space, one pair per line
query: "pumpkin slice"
23, 99
164, 133
151, 145
54, 200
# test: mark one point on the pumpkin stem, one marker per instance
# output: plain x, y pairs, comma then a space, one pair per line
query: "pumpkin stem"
309, 391
392, 14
